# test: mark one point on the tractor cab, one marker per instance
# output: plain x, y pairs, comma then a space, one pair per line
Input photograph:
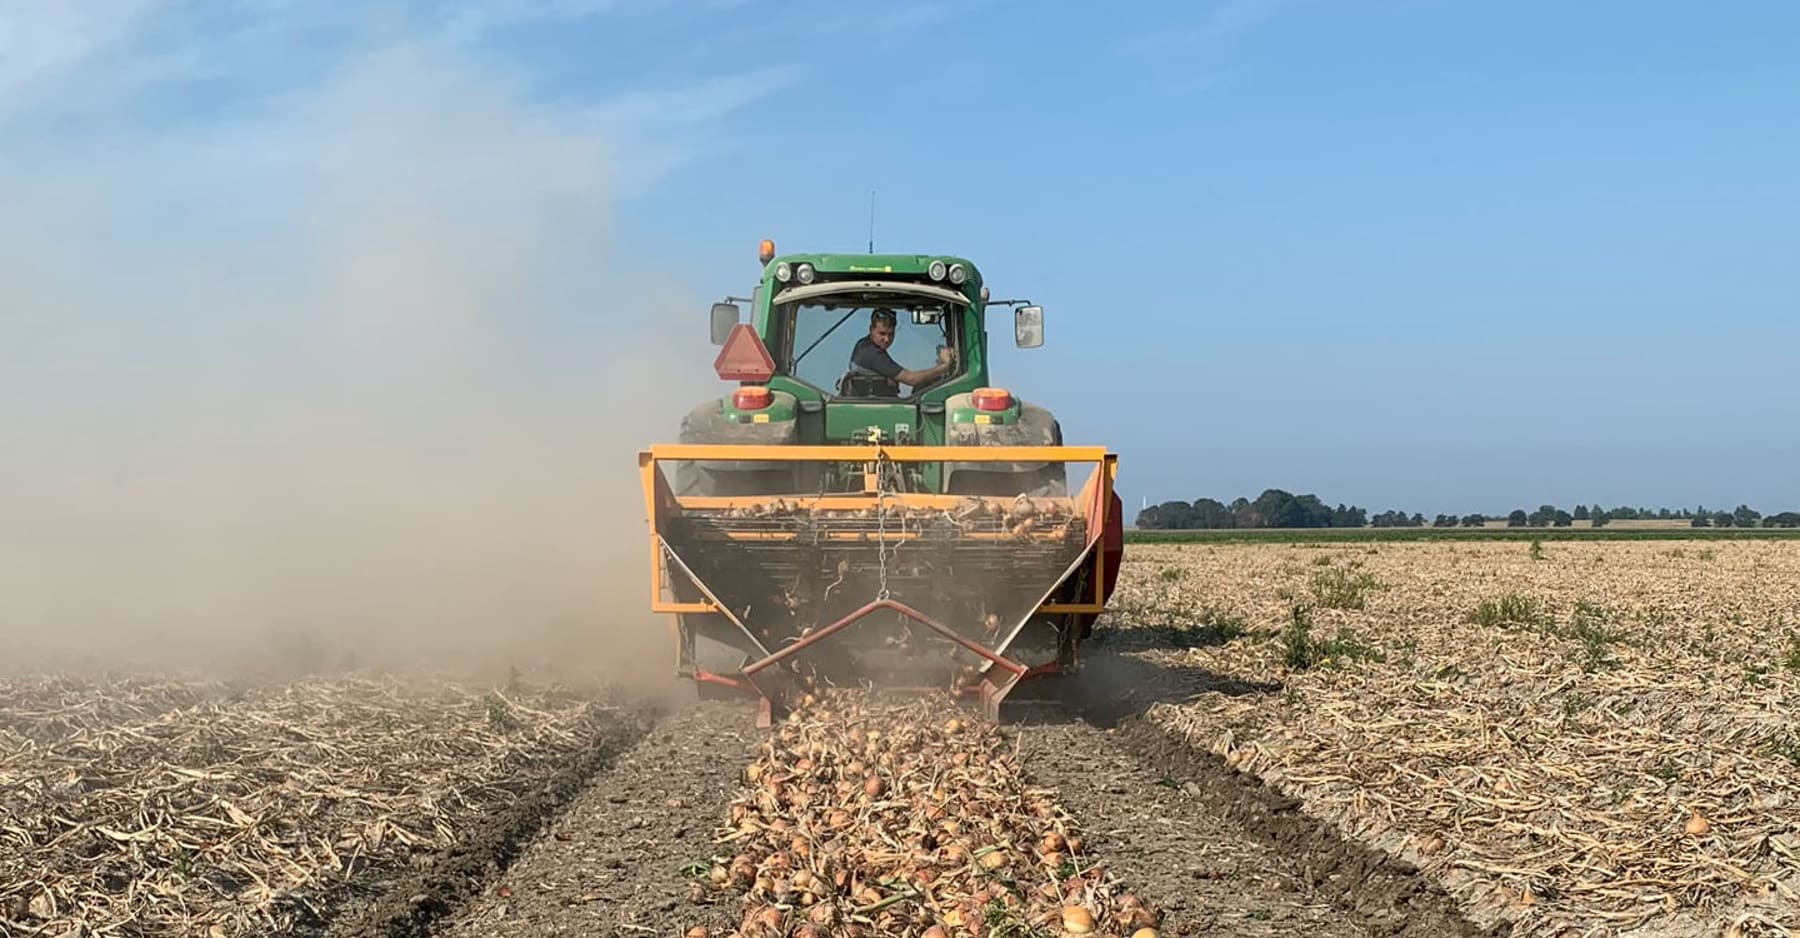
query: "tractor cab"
865, 348
815, 316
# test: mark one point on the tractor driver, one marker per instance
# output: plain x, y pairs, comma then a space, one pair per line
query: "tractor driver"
875, 373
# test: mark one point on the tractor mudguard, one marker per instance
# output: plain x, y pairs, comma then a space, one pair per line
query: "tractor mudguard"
1036, 426
708, 423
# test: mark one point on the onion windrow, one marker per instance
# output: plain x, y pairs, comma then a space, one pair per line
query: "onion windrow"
869, 819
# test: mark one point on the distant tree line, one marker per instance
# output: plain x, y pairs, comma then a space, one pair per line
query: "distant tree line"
1275, 508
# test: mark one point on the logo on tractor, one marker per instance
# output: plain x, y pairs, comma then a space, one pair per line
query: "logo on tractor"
744, 356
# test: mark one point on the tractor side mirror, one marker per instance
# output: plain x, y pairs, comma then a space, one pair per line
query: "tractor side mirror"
1028, 326
724, 319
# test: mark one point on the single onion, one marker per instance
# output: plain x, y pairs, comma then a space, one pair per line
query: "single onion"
1697, 825
1077, 920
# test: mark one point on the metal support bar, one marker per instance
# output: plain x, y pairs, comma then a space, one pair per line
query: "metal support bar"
879, 604
730, 452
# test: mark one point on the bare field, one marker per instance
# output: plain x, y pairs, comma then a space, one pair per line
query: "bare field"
1566, 739
381, 807
1573, 738
138, 805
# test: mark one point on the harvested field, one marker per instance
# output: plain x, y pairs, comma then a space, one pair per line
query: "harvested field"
676, 837
143, 806
381, 807
1573, 738
1412, 739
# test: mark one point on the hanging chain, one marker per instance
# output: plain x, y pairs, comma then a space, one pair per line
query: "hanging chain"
882, 467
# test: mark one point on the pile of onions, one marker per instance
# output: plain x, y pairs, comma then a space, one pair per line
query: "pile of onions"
860, 821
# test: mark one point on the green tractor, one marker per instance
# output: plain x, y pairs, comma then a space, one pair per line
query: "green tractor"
866, 467
802, 383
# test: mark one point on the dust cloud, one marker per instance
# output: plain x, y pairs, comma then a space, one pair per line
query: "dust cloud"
357, 385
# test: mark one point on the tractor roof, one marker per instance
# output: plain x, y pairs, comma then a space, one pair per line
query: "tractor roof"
877, 264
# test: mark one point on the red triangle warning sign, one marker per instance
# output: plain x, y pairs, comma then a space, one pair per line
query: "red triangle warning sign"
744, 357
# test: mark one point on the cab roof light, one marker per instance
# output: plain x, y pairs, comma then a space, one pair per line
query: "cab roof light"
992, 399
766, 250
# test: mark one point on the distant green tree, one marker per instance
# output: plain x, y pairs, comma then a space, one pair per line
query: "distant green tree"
1474, 520
1563, 519
1212, 513
1581, 513
1517, 519
1308, 512
1746, 517
1169, 516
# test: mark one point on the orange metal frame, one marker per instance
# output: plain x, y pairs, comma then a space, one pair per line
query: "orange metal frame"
1094, 498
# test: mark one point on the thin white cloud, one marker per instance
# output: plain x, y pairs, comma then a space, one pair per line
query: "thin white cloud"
471, 22
1220, 21
39, 42
106, 70
894, 21
656, 132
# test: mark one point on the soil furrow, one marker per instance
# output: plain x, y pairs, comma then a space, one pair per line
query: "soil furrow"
417, 902
612, 862
1220, 854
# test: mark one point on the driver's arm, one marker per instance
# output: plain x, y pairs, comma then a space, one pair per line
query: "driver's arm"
883, 364
912, 378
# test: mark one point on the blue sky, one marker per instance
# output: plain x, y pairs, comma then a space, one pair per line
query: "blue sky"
1428, 255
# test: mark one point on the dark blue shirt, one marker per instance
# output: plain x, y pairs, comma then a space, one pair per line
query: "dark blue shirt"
873, 358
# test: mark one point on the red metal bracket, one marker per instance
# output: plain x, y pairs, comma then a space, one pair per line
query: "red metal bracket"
708, 677
876, 606
995, 684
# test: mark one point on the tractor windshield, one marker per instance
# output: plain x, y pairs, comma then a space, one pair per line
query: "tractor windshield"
820, 336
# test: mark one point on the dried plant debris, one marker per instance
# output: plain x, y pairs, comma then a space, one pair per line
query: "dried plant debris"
1603, 741
38, 709
861, 819
164, 809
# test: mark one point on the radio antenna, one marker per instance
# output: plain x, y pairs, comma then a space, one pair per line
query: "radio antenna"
871, 221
